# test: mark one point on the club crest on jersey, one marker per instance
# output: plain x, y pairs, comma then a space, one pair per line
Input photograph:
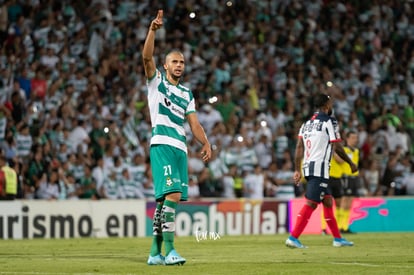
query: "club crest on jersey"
168, 181
168, 92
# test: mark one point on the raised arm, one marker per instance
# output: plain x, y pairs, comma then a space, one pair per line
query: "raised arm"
148, 50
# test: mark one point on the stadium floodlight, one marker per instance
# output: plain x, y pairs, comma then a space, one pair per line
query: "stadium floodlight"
212, 99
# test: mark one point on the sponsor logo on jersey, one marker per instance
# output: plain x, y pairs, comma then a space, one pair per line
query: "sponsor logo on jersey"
176, 110
167, 102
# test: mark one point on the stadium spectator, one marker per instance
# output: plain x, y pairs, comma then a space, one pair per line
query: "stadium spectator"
87, 185
79, 138
402, 170
209, 117
129, 188
99, 174
68, 187
254, 183
227, 182
111, 188
285, 189
409, 181
35, 171
370, 176
49, 186
193, 188
9, 183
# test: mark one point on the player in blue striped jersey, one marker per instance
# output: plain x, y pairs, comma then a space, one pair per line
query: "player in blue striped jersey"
170, 105
318, 138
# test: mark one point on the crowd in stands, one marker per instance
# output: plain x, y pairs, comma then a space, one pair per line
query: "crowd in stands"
73, 117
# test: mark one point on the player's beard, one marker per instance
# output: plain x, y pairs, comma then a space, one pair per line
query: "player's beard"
175, 76
331, 112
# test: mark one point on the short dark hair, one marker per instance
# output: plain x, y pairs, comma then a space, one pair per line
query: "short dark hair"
350, 132
171, 52
320, 100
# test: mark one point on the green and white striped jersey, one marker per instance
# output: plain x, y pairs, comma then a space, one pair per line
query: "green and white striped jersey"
3, 124
23, 144
112, 188
137, 173
168, 105
130, 189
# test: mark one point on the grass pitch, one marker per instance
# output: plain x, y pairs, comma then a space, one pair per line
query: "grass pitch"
391, 253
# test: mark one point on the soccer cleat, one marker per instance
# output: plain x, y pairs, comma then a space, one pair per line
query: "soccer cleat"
292, 242
338, 242
173, 258
156, 260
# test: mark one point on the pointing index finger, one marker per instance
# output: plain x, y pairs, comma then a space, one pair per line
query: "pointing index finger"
160, 14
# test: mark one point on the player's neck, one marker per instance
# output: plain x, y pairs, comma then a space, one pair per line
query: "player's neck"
323, 110
173, 80
351, 147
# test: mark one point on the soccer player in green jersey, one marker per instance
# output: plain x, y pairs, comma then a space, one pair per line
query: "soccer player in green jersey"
170, 105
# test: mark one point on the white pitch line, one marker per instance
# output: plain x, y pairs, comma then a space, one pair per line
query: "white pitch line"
361, 264
375, 265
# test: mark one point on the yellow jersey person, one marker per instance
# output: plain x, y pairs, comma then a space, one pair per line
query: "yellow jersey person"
350, 181
8, 181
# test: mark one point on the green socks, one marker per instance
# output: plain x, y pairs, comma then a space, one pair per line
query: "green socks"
168, 225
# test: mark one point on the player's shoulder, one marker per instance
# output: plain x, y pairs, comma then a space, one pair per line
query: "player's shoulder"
185, 92
183, 88
327, 118
324, 117
158, 75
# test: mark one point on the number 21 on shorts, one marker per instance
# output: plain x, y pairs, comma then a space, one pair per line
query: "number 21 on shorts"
167, 170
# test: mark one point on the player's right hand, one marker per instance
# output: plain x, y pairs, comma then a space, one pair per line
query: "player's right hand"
157, 22
296, 177
354, 168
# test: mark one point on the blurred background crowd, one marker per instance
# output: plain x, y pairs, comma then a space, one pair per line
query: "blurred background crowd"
73, 117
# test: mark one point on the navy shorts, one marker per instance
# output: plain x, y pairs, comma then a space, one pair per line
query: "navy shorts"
335, 187
350, 186
316, 188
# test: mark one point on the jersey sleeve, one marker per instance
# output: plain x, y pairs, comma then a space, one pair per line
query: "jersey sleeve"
154, 80
191, 107
300, 134
333, 130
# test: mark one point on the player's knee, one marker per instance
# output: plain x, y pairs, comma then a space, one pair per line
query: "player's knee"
327, 202
312, 204
175, 197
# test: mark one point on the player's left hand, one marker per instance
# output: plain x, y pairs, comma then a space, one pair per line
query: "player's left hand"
157, 22
206, 152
